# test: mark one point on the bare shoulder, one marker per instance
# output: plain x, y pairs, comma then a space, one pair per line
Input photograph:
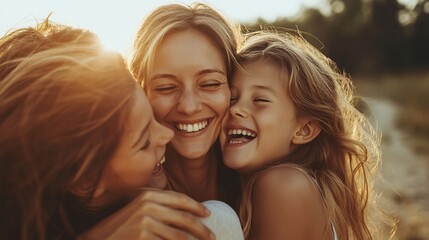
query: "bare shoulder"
285, 181
286, 203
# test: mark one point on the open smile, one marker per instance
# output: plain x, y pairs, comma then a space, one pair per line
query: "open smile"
191, 127
158, 166
240, 135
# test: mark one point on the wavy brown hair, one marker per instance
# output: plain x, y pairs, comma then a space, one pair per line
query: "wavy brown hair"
63, 107
344, 157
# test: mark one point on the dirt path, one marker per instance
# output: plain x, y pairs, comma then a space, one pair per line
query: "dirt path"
405, 176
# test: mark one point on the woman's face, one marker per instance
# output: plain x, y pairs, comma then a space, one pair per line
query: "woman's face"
138, 158
188, 90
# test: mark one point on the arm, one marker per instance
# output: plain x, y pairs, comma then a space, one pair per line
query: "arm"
286, 204
155, 214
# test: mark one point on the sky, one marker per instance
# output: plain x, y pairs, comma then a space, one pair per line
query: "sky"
116, 21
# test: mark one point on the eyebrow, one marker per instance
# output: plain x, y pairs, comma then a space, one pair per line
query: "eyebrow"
200, 73
141, 134
212, 70
261, 87
163, 75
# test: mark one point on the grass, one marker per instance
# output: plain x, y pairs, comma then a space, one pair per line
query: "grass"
410, 92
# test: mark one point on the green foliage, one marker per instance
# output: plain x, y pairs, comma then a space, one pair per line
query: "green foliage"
364, 36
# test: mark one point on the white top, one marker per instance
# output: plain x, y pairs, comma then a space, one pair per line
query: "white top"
223, 221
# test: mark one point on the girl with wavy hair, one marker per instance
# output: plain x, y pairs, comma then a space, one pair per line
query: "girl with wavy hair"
306, 155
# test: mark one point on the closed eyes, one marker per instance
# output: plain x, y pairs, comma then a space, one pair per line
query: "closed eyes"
261, 100
165, 88
211, 85
145, 145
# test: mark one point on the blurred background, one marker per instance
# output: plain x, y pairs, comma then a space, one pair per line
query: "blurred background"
382, 44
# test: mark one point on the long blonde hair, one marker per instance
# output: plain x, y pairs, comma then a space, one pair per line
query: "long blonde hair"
174, 17
63, 107
344, 157
222, 32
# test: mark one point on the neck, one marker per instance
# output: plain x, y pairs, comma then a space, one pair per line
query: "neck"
193, 177
111, 199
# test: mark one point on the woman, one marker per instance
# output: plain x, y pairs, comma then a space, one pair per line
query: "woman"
183, 57
79, 142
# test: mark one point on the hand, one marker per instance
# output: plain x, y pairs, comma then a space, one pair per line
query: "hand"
154, 214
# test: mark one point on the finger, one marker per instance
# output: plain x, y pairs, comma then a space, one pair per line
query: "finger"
175, 200
177, 218
148, 235
162, 230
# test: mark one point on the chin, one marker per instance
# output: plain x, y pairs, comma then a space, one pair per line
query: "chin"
159, 182
192, 149
233, 164
194, 154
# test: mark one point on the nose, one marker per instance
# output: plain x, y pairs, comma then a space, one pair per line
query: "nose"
165, 134
189, 103
238, 109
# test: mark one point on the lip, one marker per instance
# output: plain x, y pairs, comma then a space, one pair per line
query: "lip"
204, 121
159, 167
241, 141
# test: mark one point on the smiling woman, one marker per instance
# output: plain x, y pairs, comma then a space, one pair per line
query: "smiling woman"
183, 57
195, 83
80, 144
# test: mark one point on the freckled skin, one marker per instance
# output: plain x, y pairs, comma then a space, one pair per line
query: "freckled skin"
188, 85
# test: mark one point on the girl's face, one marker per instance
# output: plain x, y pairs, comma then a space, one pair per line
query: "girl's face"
262, 120
188, 90
138, 158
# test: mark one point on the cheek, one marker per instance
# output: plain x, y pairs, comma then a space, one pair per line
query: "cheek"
140, 173
276, 126
218, 100
161, 105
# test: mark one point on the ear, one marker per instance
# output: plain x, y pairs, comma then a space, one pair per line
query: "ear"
307, 131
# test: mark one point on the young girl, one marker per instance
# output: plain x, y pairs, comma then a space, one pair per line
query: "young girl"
79, 142
305, 153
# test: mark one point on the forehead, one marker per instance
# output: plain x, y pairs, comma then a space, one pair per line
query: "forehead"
260, 72
187, 40
186, 52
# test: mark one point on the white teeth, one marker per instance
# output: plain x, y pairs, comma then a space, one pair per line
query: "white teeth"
158, 165
192, 127
161, 162
241, 132
235, 142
